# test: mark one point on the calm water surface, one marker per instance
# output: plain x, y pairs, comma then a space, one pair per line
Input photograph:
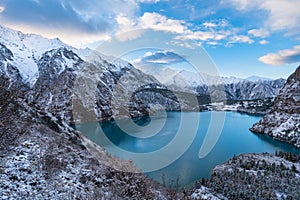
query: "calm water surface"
235, 139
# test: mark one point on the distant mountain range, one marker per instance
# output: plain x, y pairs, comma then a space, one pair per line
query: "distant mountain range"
253, 87
56, 77
185, 79
257, 78
47, 70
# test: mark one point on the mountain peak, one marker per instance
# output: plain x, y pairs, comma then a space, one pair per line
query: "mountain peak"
296, 74
257, 78
27, 50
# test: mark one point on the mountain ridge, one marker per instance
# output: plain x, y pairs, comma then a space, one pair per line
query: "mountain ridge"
258, 78
204, 84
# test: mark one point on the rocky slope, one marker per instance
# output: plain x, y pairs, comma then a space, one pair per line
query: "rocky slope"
40, 159
283, 122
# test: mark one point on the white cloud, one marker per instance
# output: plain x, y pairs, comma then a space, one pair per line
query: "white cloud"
213, 43
209, 24
213, 33
125, 23
131, 28
203, 35
281, 15
150, 1
82, 22
186, 44
238, 4
263, 42
149, 53
2, 9
77, 23
282, 57
262, 33
159, 22
208, 32
159, 57
241, 39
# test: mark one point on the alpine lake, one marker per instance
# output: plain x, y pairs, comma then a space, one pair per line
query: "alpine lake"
179, 148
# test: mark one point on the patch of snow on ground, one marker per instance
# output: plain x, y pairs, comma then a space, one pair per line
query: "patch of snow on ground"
204, 193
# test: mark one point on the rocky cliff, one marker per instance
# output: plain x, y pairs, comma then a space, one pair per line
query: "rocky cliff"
283, 122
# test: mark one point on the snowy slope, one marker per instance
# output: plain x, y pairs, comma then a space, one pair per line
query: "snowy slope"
283, 122
28, 49
254, 176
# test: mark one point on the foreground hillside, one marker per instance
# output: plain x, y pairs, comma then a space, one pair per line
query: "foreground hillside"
39, 159
254, 176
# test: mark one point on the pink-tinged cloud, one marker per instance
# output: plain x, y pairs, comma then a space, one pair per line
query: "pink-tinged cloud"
282, 57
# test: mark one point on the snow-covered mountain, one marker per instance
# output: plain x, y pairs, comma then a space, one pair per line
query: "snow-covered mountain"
47, 66
56, 75
283, 122
49, 70
184, 78
204, 84
27, 50
257, 78
248, 90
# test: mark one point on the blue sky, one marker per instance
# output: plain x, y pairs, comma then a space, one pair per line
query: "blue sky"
242, 37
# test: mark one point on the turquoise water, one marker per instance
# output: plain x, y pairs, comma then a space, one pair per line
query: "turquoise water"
157, 144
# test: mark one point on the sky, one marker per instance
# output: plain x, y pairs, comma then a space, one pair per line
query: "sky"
241, 37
